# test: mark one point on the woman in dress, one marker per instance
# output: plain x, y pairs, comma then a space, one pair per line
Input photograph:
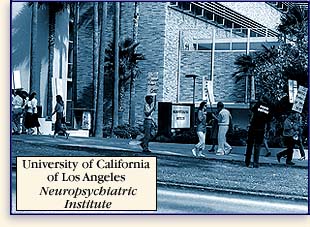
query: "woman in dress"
201, 130
59, 109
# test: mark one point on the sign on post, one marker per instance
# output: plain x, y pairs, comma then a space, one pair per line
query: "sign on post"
292, 90
300, 99
16, 80
152, 83
181, 116
207, 92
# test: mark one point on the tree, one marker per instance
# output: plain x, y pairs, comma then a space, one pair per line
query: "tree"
95, 63
294, 24
116, 64
100, 96
246, 66
273, 66
132, 99
53, 9
128, 62
34, 74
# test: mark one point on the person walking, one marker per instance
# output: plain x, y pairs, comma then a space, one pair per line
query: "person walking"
265, 143
291, 134
224, 119
17, 112
35, 117
301, 140
29, 122
201, 130
261, 117
59, 110
214, 133
149, 108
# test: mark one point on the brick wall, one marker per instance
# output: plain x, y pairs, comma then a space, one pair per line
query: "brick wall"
151, 35
193, 62
224, 86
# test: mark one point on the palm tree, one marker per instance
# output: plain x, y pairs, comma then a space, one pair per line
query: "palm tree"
116, 64
128, 63
294, 23
76, 18
53, 9
34, 74
132, 100
95, 62
100, 97
246, 65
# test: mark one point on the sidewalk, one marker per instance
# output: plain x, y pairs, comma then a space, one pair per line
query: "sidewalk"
98, 144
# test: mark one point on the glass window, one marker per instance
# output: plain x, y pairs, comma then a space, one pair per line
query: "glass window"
205, 46
239, 46
69, 90
222, 46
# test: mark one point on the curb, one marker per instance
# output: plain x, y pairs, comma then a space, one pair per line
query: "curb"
234, 191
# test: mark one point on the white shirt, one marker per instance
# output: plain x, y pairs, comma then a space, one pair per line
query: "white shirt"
224, 116
17, 102
32, 106
147, 109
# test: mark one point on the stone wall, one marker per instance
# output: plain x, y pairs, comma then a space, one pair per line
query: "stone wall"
224, 86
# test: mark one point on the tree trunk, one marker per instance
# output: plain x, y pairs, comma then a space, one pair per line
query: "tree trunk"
100, 99
121, 104
132, 99
75, 54
51, 47
116, 64
34, 75
95, 64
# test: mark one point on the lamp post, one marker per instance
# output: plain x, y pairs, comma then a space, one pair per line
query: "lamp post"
194, 83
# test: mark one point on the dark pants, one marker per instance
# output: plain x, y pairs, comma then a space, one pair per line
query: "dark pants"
16, 116
288, 152
255, 138
147, 134
58, 124
300, 147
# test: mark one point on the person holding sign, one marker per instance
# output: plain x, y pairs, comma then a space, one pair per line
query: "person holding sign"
149, 108
291, 134
201, 130
260, 121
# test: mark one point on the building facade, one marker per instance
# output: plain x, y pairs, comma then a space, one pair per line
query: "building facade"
176, 39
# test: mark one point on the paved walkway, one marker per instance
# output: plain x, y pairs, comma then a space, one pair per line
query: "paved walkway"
98, 144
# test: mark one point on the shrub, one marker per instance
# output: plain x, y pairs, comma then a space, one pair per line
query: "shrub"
127, 132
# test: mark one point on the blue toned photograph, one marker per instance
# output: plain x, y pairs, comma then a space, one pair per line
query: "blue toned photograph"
217, 92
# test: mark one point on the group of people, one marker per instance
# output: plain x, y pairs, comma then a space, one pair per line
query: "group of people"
25, 114
221, 122
24, 108
259, 128
262, 115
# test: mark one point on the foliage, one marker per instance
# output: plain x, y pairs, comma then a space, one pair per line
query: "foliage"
294, 24
127, 132
273, 66
128, 62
